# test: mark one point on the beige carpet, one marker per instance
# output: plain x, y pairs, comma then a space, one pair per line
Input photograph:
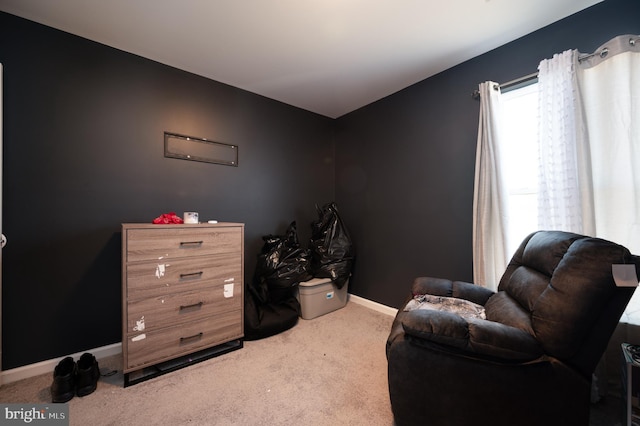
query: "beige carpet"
327, 371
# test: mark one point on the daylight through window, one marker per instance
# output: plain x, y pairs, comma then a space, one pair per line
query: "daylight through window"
520, 162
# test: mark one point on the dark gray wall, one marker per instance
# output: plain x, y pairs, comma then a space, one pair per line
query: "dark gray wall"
405, 164
83, 127
83, 152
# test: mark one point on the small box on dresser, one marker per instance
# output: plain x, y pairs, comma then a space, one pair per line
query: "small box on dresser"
182, 295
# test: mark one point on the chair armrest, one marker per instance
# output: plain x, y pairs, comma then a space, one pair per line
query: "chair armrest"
475, 336
442, 287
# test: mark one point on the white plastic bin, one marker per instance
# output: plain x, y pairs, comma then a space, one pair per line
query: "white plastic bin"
320, 296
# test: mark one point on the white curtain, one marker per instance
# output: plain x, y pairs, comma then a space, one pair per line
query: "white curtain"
612, 108
489, 219
610, 82
590, 142
564, 181
590, 145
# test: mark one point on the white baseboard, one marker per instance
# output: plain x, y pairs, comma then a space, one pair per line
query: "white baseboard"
48, 366
388, 310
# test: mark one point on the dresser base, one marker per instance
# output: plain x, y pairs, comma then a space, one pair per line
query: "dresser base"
135, 377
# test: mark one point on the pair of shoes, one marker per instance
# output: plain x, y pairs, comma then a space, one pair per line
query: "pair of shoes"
70, 378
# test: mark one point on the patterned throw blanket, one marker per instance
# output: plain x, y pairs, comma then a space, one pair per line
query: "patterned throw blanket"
465, 308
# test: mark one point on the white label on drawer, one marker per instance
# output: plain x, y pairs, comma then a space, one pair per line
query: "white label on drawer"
329, 295
228, 290
229, 280
139, 337
160, 270
139, 324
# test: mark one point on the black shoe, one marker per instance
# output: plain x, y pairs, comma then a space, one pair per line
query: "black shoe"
63, 386
87, 375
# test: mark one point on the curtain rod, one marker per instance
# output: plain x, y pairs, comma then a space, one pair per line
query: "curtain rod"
602, 52
517, 81
510, 83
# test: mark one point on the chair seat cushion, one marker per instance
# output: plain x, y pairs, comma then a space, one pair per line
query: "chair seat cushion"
464, 308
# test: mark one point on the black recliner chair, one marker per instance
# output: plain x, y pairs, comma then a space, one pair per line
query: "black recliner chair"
530, 362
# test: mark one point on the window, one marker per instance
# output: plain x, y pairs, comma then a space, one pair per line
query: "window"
520, 160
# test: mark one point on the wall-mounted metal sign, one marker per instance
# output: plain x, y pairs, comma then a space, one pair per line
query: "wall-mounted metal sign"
198, 149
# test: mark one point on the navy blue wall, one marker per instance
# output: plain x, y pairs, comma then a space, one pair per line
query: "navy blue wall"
405, 164
84, 152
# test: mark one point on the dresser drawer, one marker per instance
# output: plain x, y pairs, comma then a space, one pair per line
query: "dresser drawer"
150, 279
172, 243
176, 308
156, 346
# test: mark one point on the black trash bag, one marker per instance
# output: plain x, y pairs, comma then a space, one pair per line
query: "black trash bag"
332, 252
282, 265
267, 319
270, 303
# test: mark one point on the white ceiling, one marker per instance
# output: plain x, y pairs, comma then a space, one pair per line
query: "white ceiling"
326, 56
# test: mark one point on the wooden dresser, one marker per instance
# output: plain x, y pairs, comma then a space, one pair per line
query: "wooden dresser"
182, 295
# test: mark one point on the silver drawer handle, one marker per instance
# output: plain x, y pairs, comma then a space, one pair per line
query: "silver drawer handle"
191, 243
194, 337
195, 305
191, 275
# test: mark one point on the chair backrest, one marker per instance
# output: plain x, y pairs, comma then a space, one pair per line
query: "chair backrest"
560, 287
